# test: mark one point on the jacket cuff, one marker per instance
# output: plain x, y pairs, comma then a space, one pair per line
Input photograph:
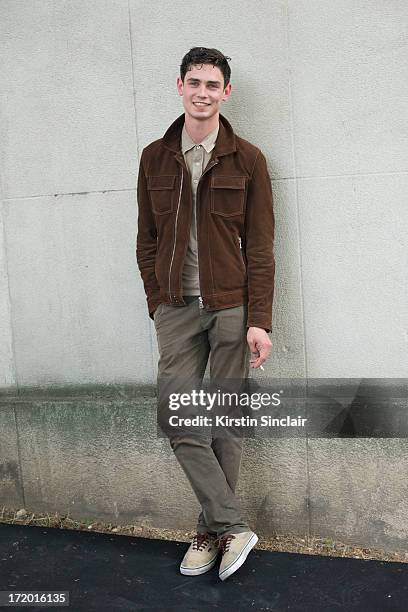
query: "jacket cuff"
260, 319
152, 303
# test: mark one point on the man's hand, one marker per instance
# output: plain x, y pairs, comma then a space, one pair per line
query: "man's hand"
259, 344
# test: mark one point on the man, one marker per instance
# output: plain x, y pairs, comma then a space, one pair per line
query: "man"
205, 254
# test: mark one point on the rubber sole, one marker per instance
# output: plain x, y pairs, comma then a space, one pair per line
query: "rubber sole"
240, 559
196, 571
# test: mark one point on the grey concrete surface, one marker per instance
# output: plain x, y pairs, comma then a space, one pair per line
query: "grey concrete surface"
355, 283
7, 370
67, 105
359, 488
348, 84
11, 484
320, 87
94, 453
86, 85
78, 304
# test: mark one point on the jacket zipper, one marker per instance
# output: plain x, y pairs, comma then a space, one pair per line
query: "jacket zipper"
200, 299
214, 163
240, 251
175, 229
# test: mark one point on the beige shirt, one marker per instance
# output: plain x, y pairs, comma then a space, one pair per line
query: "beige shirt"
196, 157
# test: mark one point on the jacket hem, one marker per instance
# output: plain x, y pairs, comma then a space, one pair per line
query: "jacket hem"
152, 304
215, 301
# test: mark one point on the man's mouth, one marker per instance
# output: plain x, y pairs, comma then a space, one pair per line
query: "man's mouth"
201, 104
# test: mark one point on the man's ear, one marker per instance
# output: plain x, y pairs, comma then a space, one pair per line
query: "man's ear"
227, 92
179, 85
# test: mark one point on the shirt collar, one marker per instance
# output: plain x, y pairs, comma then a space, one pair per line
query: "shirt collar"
208, 142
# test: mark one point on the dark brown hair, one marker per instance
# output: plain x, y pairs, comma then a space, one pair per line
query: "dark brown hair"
202, 55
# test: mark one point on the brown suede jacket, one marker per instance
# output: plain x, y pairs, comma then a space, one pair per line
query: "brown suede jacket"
235, 225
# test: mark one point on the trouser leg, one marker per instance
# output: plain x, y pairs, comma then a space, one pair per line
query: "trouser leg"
229, 367
184, 346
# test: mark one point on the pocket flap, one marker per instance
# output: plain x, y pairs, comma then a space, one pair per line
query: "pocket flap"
228, 182
165, 181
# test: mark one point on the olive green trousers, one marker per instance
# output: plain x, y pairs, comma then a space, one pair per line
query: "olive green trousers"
187, 336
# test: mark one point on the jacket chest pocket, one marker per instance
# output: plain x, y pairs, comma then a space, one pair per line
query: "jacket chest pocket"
162, 193
228, 195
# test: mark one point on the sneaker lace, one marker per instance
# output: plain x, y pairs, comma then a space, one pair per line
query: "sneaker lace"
223, 542
200, 541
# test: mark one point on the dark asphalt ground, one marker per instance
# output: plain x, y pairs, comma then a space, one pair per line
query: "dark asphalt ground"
118, 573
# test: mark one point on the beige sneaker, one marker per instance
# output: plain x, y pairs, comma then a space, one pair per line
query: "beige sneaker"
201, 555
235, 548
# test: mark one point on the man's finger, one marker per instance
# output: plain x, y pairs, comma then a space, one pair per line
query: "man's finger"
257, 361
260, 356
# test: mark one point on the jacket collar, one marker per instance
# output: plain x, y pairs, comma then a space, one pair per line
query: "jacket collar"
225, 142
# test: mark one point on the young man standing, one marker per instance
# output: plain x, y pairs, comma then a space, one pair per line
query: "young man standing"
205, 254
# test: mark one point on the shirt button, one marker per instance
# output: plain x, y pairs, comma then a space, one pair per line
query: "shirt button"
196, 180
198, 146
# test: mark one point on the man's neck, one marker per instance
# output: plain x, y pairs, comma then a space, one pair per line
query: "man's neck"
198, 130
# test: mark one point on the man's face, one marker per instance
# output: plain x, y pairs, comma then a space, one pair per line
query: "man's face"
203, 91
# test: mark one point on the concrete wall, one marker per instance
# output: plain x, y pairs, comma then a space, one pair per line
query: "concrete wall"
320, 86
95, 454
